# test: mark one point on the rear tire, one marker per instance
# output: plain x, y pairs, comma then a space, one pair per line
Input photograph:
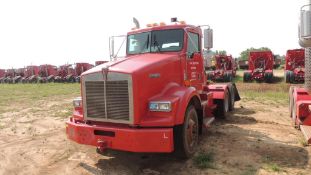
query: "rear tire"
246, 77
287, 77
291, 77
222, 108
186, 136
232, 101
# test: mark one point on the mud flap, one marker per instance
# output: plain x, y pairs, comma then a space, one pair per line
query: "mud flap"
232, 88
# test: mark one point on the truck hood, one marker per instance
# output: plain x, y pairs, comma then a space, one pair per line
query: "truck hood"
134, 63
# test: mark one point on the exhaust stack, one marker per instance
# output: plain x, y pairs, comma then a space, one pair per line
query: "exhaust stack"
305, 41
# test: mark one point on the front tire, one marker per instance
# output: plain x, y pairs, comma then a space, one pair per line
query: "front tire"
186, 136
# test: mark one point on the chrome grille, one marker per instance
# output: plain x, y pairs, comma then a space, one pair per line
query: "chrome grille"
107, 100
95, 99
117, 99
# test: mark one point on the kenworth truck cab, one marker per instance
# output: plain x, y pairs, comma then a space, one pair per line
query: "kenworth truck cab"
156, 99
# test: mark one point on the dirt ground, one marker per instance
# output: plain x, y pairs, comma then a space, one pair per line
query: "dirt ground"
255, 139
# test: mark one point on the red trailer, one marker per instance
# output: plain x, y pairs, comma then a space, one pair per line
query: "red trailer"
295, 66
80, 68
31, 74
260, 66
225, 69
100, 62
47, 73
156, 99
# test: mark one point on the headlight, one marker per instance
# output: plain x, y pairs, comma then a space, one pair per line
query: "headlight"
77, 102
164, 106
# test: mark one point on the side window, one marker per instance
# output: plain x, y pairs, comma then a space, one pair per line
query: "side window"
193, 44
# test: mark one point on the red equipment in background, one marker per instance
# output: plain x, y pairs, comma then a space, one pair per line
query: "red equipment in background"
65, 73
31, 74
295, 66
47, 73
2, 75
9, 76
100, 62
80, 68
225, 69
19, 74
156, 99
260, 66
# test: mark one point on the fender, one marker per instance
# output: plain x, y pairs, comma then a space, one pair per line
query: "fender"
218, 90
180, 97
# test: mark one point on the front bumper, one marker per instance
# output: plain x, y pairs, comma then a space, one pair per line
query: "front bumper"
153, 140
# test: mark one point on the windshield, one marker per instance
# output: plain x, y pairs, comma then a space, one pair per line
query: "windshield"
155, 41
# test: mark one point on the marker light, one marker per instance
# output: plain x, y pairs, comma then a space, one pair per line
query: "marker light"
77, 102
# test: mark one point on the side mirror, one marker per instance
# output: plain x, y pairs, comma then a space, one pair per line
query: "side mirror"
111, 47
208, 38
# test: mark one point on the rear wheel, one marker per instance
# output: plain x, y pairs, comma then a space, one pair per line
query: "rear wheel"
246, 77
287, 77
232, 101
222, 107
268, 77
227, 77
291, 77
186, 136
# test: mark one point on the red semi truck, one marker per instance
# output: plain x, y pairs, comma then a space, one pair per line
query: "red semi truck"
31, 74
260, 66
225, 69
47, 73
295, 66
156, 99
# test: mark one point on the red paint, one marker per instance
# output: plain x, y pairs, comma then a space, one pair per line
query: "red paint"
225, 65
152, 131
260, 63
125, 138
295, 62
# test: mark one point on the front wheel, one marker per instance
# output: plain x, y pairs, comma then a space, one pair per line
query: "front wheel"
186, 136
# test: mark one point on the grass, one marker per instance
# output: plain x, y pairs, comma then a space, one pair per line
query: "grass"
277, 93
204, 160
272, 167
15, 97
11, 94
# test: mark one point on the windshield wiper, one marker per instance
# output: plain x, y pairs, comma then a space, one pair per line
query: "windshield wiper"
155, 42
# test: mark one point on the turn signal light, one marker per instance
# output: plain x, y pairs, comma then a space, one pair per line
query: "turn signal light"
187, 83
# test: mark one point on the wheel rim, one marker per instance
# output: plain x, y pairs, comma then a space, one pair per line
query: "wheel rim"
192, 132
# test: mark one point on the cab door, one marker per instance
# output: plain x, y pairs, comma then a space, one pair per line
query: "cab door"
194, 60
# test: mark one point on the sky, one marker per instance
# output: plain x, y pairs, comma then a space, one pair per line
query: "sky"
35, 32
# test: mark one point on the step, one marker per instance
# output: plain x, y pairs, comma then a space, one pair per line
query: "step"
207, 121
306, 130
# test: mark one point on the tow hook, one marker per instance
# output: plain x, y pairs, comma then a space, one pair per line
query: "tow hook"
102, 146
